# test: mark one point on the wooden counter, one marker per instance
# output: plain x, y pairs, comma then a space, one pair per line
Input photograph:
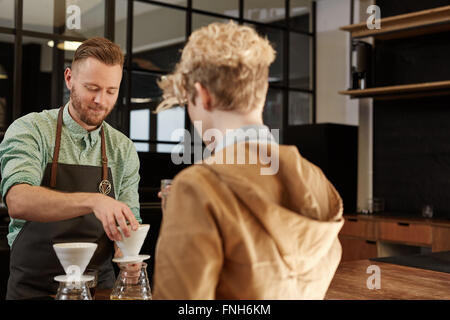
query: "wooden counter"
102, 294
397, 282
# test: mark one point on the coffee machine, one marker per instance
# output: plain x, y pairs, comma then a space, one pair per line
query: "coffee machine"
361, 65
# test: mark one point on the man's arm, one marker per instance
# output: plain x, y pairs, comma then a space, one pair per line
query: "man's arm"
129, 185
23, 161
35, 203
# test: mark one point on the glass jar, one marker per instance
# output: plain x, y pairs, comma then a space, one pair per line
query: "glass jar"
132, 283
69, 290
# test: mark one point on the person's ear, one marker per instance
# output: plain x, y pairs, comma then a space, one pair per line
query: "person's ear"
68, 78
204, 96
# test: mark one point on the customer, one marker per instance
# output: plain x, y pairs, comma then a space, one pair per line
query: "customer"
240, 229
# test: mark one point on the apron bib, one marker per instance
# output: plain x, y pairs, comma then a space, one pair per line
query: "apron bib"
33, 262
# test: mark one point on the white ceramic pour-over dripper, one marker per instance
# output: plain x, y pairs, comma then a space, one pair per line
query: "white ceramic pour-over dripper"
75, 256
131, 246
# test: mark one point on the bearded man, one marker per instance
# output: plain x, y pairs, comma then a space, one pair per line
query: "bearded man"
68, 176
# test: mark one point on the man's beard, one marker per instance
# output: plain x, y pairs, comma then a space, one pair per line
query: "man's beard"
84, 113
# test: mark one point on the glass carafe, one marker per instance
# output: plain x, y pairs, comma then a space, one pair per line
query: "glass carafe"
132, 283
69, 290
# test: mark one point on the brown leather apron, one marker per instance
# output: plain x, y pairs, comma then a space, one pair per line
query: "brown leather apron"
33, 262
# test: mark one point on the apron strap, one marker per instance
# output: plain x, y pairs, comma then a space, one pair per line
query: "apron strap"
58, 145
104, 157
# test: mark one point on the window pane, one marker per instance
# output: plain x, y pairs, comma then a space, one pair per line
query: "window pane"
68, 57
300, 61
6, 79
225, 7
201, 20
299, 15
83, 19
168, 123
159, 33
119, 118
55, 61
275, 37
195, 140
144, 87
120, 27
7, 13
142, 147
42, 76
300, 108
162, 59
273, 110
169, 148
181, 3
140, 124
266, 11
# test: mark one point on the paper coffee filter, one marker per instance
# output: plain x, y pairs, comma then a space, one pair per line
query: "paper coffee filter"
75, 256
132, 245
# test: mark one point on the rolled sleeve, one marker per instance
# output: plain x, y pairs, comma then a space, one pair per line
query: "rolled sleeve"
129, 188
20, 157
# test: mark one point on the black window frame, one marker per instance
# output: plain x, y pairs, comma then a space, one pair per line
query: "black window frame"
122, 118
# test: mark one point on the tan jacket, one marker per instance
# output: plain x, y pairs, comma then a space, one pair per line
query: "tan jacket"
231, 233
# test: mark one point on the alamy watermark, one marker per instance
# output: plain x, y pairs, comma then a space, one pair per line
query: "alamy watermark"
73, 20
374, 20
262, 144
374, 281
73, 276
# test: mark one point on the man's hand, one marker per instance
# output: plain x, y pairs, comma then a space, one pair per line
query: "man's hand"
133, 269
112, 212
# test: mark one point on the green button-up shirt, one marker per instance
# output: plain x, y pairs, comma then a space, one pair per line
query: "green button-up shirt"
28, 146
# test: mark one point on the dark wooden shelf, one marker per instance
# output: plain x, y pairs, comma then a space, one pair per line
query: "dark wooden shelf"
405, 25
398, 217
402, 91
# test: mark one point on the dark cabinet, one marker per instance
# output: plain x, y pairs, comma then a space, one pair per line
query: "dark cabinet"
333, 148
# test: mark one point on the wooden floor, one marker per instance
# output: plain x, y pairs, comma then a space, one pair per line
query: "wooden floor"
396, 282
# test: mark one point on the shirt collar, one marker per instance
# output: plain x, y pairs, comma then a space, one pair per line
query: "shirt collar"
250, 133
78, 131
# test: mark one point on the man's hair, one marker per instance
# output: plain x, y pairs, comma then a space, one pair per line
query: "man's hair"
101, 49
231, 61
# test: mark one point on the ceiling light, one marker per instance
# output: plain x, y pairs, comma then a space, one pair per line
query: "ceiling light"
66, 45
141, 100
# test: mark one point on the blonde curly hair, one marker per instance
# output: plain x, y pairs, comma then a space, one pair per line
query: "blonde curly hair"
230, 60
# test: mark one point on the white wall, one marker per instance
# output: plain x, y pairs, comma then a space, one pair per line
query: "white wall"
365, 136
333, 65
333, 59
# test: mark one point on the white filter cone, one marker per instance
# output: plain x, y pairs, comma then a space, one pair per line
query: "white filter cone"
132, 245
75, 256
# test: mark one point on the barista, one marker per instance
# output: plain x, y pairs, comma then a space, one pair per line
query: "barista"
68, 176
